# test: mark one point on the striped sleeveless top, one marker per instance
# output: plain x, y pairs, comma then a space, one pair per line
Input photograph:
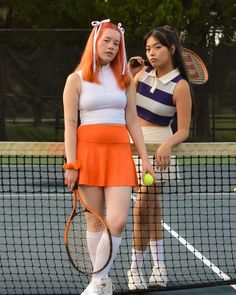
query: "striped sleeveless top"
155, 96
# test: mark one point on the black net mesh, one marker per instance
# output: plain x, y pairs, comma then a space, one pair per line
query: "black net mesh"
199, 221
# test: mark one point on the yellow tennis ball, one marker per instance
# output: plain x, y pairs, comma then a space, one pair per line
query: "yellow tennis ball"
148, 179
235, 190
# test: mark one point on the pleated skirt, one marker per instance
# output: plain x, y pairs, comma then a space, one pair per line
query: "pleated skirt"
104, 152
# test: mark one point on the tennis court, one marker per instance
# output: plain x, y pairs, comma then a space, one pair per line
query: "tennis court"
199, 212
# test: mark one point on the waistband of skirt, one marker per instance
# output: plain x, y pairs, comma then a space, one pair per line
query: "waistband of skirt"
103, 134
154, 134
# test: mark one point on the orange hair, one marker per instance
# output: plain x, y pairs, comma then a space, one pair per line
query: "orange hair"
86, 63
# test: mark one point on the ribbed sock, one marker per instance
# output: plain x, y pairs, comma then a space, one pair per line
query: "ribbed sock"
157, 251
93, 239
103, 248
137, 258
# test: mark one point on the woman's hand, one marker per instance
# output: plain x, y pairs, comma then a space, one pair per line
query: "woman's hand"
71, 176
135, 64
163, 156
147, 168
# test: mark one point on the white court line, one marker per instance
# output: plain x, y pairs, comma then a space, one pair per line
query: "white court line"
133, 197
205, 260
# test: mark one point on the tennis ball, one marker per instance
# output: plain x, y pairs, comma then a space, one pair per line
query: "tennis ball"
148, 179
235, 190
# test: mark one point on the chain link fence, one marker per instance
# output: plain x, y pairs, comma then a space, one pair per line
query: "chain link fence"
33, 70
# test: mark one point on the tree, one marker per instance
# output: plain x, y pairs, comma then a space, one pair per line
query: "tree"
209, 24
203, 25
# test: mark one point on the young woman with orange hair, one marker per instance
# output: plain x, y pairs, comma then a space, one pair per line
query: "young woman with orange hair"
104, 93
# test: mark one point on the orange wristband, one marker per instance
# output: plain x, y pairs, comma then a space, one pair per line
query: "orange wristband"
75, 166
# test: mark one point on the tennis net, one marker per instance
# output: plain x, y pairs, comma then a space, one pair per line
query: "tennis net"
199, 220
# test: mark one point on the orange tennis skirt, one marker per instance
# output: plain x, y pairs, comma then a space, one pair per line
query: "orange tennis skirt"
104, 152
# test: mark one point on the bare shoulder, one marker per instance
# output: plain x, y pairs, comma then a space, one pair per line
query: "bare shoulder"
182, 89
73, 83
73, 78
182, 92
139, 75
182, 85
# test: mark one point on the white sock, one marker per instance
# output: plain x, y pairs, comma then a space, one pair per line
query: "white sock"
137, 258
102, 248
93, 239
157, 251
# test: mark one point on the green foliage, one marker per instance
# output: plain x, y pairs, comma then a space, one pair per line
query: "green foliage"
140, 16
33, 14
202, 24
210, 22
199, 21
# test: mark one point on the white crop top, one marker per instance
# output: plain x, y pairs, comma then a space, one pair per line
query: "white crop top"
102, 103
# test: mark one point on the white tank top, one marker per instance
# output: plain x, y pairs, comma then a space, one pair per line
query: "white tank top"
102, 103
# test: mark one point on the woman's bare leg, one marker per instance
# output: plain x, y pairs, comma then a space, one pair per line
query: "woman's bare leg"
117, 201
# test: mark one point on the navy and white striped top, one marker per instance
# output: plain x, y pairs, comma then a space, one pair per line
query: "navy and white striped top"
155, 96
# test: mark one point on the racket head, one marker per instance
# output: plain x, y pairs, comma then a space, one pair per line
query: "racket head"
197, 71
75, 238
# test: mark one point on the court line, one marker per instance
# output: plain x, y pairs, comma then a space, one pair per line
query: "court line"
184, 242
190, 247
203, 258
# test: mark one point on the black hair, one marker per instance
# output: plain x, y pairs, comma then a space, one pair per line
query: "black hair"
168, 37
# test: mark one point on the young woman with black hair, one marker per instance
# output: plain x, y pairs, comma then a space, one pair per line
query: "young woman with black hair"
163, 94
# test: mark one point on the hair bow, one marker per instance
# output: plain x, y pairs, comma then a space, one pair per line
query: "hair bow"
122, 30
98, 25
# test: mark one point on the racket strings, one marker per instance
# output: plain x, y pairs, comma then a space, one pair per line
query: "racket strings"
77, 244
83, 229
197, 71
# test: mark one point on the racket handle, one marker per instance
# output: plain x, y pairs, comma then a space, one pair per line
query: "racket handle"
134, 63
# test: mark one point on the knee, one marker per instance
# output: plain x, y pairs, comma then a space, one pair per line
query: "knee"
116, 224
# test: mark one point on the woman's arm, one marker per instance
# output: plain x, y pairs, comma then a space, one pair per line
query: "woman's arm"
137, 78
135, 130
70, 102
183, 102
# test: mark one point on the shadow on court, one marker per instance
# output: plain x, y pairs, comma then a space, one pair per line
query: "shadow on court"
226, 290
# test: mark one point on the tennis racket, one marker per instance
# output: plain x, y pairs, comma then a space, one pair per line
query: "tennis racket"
82, 219
197, 71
